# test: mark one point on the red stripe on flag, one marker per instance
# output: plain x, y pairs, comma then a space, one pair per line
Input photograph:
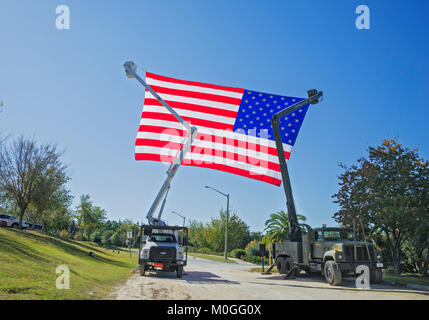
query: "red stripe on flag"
197, 95
190, 120
193, 83
192, 107
208, 137
215, 166
211, 152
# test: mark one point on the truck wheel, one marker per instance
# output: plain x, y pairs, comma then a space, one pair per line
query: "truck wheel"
289, 265
281, 265
375, 275
142, 269
179, 271
332, 273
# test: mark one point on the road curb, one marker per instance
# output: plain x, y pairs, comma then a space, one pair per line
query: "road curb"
418, 287
391, 283
408, 286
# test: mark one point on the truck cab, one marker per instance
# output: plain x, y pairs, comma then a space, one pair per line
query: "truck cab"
331, 251
160, 249
338, 244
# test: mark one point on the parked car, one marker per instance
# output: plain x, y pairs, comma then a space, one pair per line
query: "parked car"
13, 222
37, 227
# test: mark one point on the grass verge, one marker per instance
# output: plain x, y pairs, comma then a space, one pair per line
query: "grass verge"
210, 257
404, 279
400, 279
259, 269
28, 262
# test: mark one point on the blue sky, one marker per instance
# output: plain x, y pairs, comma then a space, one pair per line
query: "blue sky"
69, 87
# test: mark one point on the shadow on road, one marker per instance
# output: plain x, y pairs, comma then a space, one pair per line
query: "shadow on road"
348, 284
192, 277
206, 277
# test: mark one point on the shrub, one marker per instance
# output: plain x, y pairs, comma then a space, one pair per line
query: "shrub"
96, 236
204, 251
115, 239
253, 259
64, 234
254, 251
78, 236
252, 248
237, 253
85, 236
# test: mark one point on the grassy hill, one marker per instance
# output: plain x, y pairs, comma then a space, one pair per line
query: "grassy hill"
28, 262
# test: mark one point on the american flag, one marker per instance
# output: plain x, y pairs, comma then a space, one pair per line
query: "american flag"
234, 127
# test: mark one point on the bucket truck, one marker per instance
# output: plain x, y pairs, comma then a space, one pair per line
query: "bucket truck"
159, 247
333, 252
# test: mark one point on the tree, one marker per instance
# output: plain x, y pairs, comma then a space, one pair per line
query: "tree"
29, 172
197, 234
256, 235
55, 215
117, 239
73, 228
238, 232
54, 221
78, 236
105, 238
388, 192
90, 217
277, 226
416, 248
212, 234
51, 193
96, 236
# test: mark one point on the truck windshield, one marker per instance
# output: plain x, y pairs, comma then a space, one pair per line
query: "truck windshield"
333, 235
168, 238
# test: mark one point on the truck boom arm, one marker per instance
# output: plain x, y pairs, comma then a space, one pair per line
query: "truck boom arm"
130, 69
313, 98
171, 172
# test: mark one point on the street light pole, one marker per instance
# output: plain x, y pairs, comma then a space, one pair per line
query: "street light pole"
183, 236
226, 226
227, 219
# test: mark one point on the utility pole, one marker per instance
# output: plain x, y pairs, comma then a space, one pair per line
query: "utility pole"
227, 219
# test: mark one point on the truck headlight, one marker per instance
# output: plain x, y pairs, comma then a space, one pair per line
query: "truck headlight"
180, 255
378, 257
145, 253
340, 257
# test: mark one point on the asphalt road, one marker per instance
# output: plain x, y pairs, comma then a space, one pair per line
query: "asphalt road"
206, 279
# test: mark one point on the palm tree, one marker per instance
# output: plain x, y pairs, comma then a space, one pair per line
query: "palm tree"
277, 226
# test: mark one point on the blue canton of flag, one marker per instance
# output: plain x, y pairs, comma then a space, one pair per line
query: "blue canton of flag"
257, 109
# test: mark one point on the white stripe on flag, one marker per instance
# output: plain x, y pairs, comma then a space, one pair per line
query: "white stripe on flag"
196, 101
215, 146
190, 113
252, 169
204, 130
